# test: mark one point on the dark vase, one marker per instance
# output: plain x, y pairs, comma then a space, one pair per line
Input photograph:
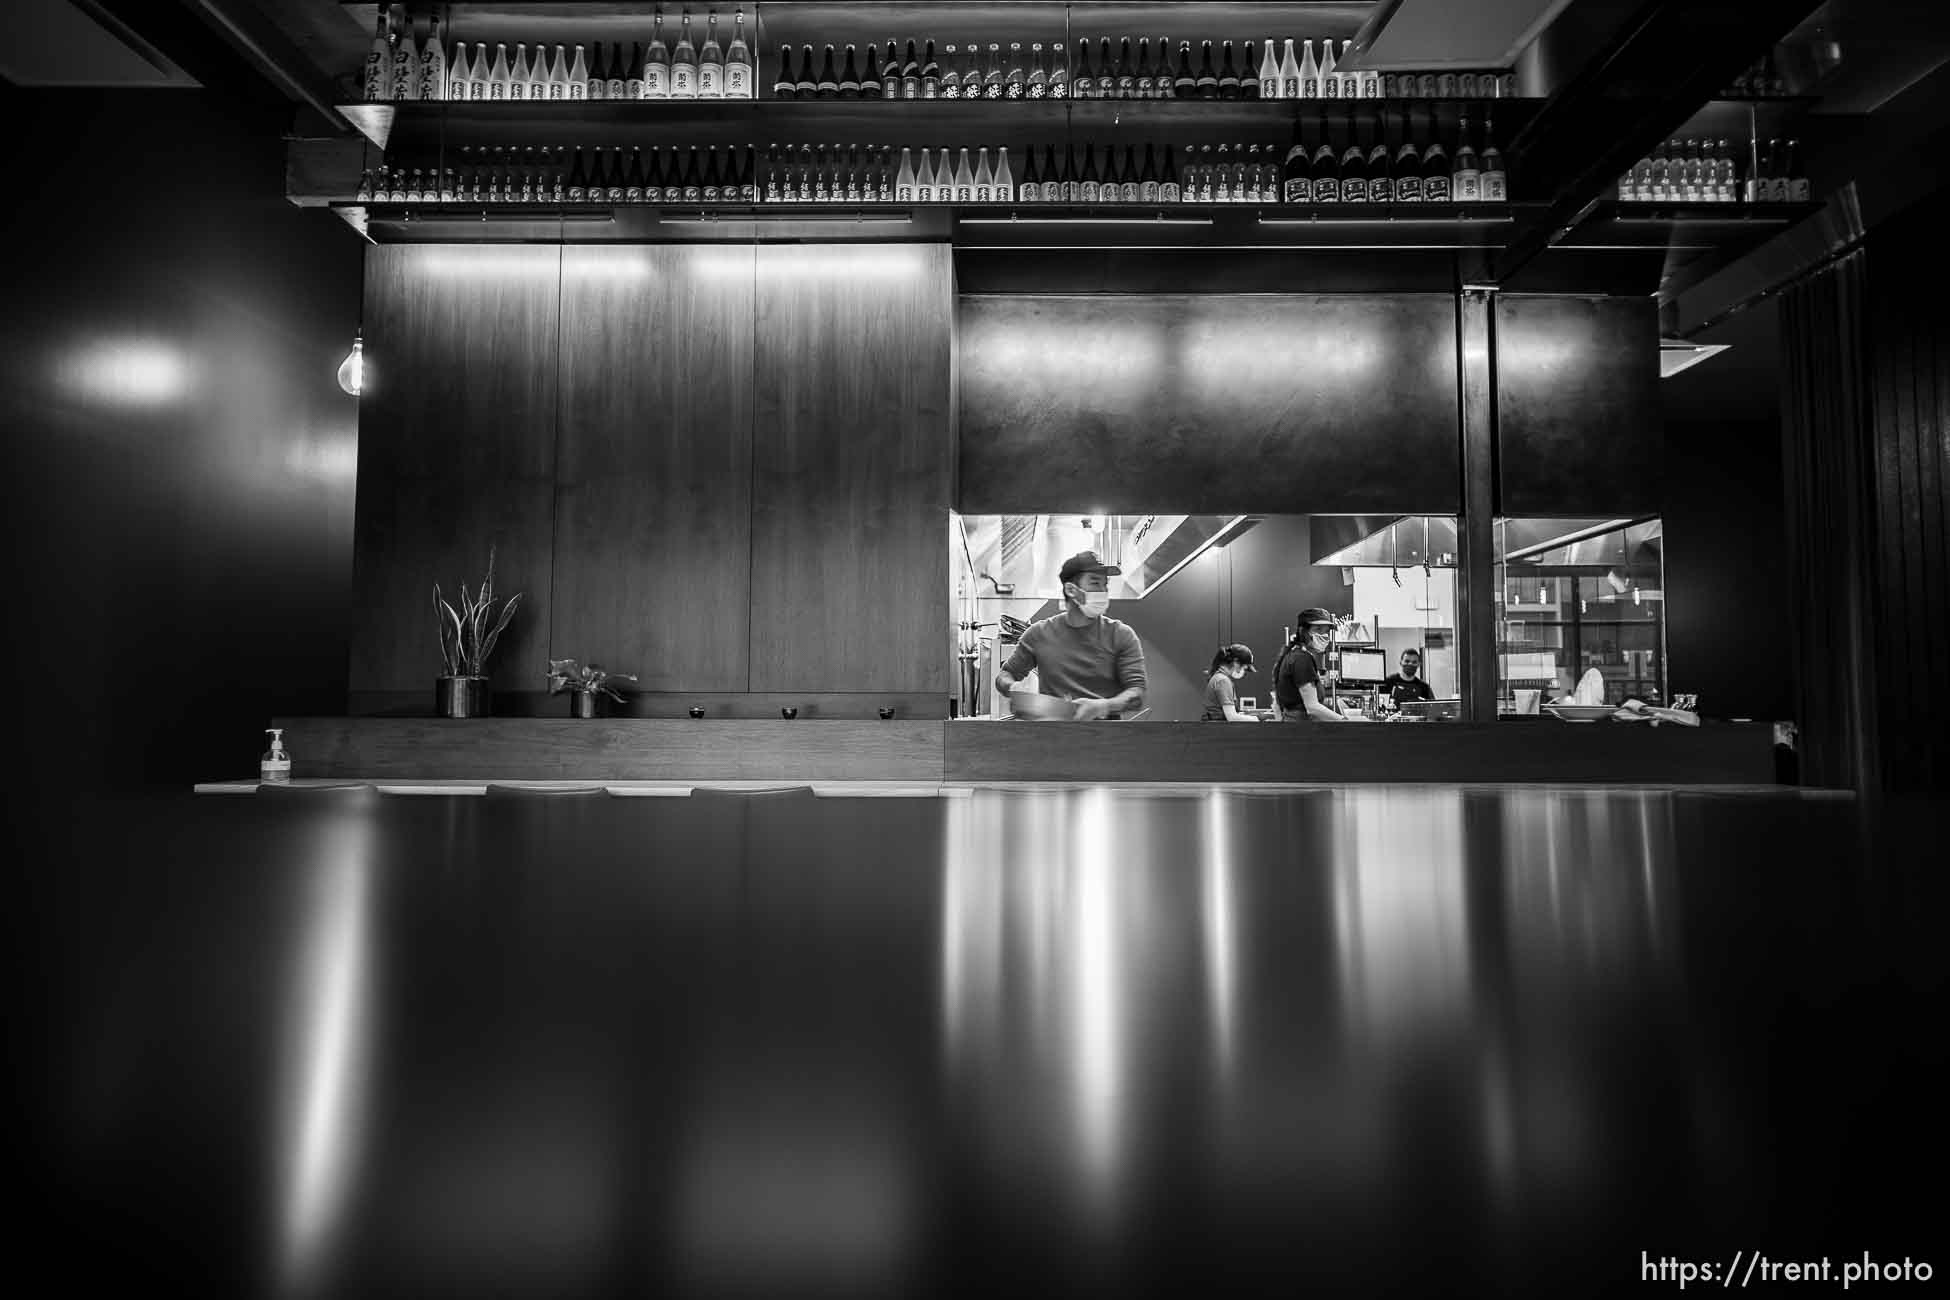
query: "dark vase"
460, 697
582, 704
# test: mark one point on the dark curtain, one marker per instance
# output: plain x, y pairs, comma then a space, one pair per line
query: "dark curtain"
1909, 374
1826, 460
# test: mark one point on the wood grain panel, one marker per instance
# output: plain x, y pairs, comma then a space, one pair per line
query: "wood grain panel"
600, 749
1547, 751
1284, 403
1579, 426
653, 480
456, 453
852, 452
717, 705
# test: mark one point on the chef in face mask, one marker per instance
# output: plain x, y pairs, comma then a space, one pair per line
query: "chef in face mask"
1082, 653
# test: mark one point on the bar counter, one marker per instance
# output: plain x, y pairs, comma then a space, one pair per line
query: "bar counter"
983, 752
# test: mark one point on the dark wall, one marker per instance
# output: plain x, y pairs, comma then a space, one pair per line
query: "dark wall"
1909, 381
1577, 405
1727, 624
1276, 402
723, 469
178, 501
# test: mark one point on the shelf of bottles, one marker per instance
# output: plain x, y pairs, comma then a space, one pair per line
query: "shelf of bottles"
1131, 102
566, 52
1357, 180
1738, 154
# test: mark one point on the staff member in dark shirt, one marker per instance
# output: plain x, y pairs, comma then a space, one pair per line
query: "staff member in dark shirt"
1221, 701
1408, 684
1298, 681
1082, 654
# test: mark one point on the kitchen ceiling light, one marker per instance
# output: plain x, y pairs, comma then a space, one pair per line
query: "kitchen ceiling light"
1676, 355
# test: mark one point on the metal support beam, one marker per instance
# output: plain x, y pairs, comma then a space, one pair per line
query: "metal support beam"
1476, 612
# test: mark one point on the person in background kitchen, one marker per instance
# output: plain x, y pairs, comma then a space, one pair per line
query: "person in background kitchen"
1408, 684
1082, 654
1221, 701
1298, 680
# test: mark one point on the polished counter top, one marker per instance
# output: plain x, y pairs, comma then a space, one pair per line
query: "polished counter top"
684, 751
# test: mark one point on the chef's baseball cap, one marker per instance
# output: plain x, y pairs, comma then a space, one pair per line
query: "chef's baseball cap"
1240, 653
1307, 618
1085, 562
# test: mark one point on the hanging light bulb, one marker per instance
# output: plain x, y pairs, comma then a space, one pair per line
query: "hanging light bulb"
352, 370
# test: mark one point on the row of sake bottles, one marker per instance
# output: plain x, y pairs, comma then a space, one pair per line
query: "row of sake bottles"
975, 71
1326, 173
399, 68
1702, 171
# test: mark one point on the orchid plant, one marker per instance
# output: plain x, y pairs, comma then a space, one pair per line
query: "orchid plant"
468, 632
567, 675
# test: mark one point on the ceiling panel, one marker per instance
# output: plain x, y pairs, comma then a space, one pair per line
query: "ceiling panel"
56, 43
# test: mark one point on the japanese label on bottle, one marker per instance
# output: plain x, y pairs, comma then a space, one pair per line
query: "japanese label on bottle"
1425, 85
634, 194
1015, 89
1445, 85
1300, 190
517, 90
633, 88
1435, 189
964, 194
683, 81
737, 81
1381, 189
1052, 191
1128, 192
1087, 191
497, 91
432, 79
710, 81
1327, 189
1290, 88
1148, 192
458, 88
1799, 191
375, 77
1469, 187
1169, 193
1354, 189
1310, 88
1495, 187
656, 81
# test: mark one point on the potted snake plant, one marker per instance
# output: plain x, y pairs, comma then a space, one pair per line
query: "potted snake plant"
468, 633
585, 684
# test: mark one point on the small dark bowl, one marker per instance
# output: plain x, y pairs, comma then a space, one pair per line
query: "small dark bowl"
886, 714
789, 712
697, 710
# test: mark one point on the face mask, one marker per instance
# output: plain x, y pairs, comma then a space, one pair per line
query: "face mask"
1095, 603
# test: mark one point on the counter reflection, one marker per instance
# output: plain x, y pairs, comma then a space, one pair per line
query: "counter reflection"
1413, 1040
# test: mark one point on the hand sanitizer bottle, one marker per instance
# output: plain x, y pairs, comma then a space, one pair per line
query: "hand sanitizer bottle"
276, 763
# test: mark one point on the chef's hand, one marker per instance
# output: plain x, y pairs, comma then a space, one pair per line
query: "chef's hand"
1089, 710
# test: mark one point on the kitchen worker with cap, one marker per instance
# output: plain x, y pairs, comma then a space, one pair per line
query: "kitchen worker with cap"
1299, 680
1082, 653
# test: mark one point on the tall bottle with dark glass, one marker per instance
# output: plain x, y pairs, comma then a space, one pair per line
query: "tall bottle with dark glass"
1408, 168
1435, 174
1296, 174
1208, 75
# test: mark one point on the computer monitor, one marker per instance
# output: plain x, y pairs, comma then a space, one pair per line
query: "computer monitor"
1363, 669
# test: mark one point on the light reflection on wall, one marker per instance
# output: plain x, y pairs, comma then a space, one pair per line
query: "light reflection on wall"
325, 1059
131, 372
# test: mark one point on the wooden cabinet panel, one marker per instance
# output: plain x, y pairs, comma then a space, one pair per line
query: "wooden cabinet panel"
653, 479
853, 450
1579, 426
1283, 403
456, 454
